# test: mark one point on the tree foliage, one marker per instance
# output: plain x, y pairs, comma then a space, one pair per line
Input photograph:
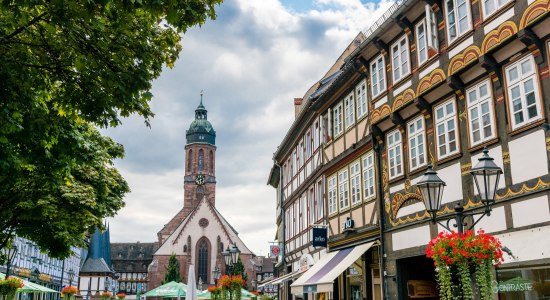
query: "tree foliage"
172, 270
66, 68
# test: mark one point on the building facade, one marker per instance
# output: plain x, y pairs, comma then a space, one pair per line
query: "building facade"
441, 81
31, 264
130, 263
198, 233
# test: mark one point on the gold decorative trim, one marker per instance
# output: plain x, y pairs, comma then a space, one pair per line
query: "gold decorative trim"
506, 157
465, 169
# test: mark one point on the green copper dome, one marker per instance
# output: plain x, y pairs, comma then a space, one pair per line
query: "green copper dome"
200, 130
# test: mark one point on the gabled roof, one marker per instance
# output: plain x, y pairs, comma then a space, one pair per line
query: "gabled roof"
95, 265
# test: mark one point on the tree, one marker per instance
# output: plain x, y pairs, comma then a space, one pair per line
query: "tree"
172, 270
238, 269
67, 68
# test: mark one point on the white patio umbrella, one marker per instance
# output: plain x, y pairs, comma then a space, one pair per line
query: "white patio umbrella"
191, 284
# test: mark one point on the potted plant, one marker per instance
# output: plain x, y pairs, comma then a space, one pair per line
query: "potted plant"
9, 286
215, 292
458, 256
121, 296
69, 292
106, 295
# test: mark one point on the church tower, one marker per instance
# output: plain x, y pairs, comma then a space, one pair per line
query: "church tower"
200, 161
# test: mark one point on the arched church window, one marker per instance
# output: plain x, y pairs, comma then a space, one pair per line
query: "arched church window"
200, 192
201, 160
203, 261
211, 162
185, 248
189, 160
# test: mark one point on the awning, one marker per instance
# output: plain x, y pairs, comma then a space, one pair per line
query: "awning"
286, 277
320, 276
267, 282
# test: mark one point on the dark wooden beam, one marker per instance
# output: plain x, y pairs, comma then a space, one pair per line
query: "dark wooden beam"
423, 105
380, 44
529, 38
396, 119
377, 133
403, 22
455, 83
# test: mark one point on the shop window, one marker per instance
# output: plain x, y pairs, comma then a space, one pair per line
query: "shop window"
523, 283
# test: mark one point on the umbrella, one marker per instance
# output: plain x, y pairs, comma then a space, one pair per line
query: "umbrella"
247, 294
244, 295
31, 287
191, 284
204, 295
168, 290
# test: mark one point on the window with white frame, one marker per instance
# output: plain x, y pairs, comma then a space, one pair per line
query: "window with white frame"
326, 126
332, 206
349, 107
338, 125
355, 182
296, 217
378, 76
523, 92
361, 92
480, 113
458, 18
400, 58
446, 129
320, 203
303, 213
417, 146
395, 154
308, 144
301, 154
426, 36
343, 189
490, 6
316, 134
291, 222
311, 205
368, 175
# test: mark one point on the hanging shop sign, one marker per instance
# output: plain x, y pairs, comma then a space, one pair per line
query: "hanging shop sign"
319, 237
305, 262
275, 250
348, 225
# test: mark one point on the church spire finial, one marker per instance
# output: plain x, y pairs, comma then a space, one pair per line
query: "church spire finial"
202, 93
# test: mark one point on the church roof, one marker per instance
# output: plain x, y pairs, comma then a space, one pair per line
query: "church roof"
201, 130
133, 257
95, 265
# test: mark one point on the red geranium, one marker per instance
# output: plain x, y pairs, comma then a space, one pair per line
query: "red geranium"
69, 290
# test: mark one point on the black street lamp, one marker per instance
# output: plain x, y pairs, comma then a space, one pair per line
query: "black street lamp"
11, 254
231, 257
486, 175
71, 276
216, 275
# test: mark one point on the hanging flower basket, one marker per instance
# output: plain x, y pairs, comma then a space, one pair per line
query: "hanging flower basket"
9, 286
69, 292
106, 295
215, 292
121, 296
463, 260
231, 287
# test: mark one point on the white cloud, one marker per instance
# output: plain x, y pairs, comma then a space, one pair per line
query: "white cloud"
252, 61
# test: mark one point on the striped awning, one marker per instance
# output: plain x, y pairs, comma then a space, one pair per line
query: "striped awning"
320, 276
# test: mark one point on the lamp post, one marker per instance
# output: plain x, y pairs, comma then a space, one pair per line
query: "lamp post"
486, 175
71, 276
231, 257
216, 275
11, 254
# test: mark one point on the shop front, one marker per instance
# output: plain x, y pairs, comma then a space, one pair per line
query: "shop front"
348, 273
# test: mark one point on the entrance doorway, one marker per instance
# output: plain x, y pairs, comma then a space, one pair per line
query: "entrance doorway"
416, 278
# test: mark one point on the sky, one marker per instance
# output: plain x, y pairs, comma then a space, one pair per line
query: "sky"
251, 62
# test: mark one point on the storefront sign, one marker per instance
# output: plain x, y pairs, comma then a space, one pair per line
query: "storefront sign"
348, 224
319, 237
513, 285
44, 277
305, 262
275, 250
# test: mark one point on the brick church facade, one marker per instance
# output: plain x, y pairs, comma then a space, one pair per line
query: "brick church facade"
198, 233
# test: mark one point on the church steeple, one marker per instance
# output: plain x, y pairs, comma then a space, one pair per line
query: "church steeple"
200, 130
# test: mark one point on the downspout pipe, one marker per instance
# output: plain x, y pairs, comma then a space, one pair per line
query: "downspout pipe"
382, 259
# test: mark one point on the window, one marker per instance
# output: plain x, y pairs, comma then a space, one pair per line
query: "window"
349, 107
291, 222
395, 154
480, 113
190, 160
400, 58
361, 92
311, 206
355, 175
303, 213
327, 127
445, 124
368, 176
203, 261
308, 144
523, 92
287, 227
378, 76
320, 203
201, 160
490, 6
296, 161
338, 126
458, 18
211, 162
301, 154
296, 218
426, 36
332, 195
417, 147
343, 189
315, 136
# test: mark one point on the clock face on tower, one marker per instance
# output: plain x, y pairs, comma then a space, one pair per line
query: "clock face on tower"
199, 179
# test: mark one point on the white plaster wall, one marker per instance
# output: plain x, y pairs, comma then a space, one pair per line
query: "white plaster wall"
456, 50
452, 177
381, 102
495, 222
528, 157
429, 69
532, 211
496, 154
529, 244
411, 238
501, 19
397, 187
410, 209
402, 87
